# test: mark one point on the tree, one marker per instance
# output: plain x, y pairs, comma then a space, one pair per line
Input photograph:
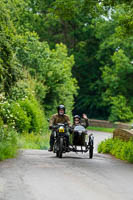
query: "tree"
52, 69
9, 66
116, 66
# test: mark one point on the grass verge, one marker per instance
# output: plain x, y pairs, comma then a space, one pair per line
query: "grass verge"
102, 129
31, 141
120, 149
8, 143
11, 141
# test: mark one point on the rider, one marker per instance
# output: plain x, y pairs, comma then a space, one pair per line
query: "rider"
60, 117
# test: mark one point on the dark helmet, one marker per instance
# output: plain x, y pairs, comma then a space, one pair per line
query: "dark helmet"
76, 116
61, 107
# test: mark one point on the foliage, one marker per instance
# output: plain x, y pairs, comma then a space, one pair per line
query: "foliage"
24, 115
120, 111
52, 69
8, 143
98, 35
46, 45
115, 59
54, 23
15, 116
35, 114
120, 149
9, 66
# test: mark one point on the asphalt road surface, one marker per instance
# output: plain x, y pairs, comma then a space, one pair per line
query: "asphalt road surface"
39, 175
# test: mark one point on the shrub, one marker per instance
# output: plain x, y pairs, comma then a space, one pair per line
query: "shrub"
120, 149
14, 115
35, 113
25, 115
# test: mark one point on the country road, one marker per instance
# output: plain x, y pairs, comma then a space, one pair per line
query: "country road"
38, 175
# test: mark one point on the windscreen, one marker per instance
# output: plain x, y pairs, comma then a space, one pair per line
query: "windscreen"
79, 128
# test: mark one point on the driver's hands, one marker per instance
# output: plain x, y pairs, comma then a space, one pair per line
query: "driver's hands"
50, 127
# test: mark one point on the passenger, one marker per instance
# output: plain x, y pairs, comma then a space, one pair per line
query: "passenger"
77, 121
80, 121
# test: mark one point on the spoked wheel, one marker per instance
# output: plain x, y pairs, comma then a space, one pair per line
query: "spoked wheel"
91, 152
60, 148
55, 150
91, 146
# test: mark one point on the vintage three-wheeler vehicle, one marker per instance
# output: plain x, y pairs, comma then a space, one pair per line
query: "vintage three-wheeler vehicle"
81, 141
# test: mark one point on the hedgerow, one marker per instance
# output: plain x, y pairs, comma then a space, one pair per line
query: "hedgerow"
120, 149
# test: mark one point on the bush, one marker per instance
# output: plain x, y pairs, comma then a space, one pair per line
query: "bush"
24, 115
14, 115
8, 143
120, 149
36, 115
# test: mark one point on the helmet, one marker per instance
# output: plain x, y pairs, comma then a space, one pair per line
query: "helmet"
76, 116
61, 107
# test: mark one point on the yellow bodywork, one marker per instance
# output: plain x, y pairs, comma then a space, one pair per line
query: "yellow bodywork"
61, 130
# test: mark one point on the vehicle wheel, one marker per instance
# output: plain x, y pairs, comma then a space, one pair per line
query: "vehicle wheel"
91, 152
60, 147
57, 154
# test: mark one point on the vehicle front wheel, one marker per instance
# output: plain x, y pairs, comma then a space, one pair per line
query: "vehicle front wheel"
57, 154
61, 148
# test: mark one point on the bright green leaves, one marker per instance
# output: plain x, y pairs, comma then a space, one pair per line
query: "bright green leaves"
9, 66
120, 110
117, 79
52, 68
99, 35
120, 149
66, 10
115, 57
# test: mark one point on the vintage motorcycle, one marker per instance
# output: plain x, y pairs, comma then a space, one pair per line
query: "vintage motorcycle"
60, 140
79, 142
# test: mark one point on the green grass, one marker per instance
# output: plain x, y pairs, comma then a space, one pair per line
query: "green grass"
102, 129
31, 141
7, 150
120, 149
8, 143
11, 141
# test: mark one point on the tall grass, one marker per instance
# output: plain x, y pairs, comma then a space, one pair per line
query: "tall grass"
32, 141
8, 143
11, 141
